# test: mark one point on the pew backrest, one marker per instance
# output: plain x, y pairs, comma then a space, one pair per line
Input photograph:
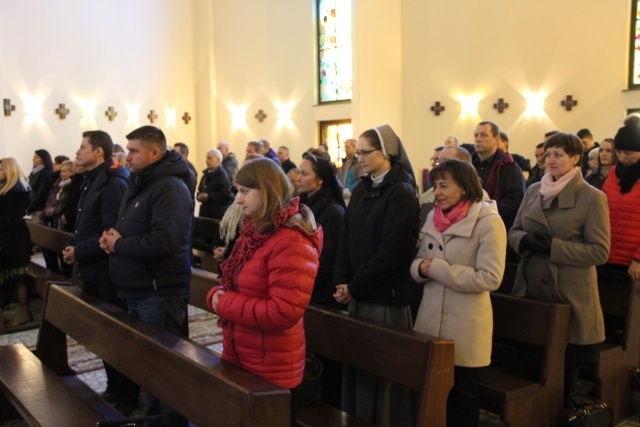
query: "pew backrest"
412, 359
181, 373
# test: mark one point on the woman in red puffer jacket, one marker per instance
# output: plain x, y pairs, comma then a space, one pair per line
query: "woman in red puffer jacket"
267, 281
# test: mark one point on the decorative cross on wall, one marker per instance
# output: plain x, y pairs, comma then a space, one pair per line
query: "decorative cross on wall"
501, 105
437, 108
8, 108
111, 113
260, 116
62, 111
152, 116
568, 103
186, 118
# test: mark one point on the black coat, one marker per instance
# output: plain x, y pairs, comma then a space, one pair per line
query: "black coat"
69, 196
98, 206
153, 255
330, 215
378, 240
15, 241
40, 183
217, 185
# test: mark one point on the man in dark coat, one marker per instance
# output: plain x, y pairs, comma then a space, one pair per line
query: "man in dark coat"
214, 191
101, 195
150, 244
501, 176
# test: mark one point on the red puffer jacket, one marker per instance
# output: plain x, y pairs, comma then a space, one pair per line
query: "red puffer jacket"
263, 330
625, 219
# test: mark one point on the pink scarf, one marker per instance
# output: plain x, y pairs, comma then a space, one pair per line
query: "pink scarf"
248, 242
550, 188
442, 220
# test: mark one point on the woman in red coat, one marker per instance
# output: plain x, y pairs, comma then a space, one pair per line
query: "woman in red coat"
622, 188
267, 281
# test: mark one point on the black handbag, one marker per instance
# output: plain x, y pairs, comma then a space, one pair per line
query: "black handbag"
589, 412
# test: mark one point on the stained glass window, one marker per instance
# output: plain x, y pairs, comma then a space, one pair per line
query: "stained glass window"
334, 134
334, 50
634, 57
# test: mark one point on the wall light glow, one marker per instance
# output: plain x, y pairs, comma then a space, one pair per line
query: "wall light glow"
469, 105
132, 114
284, 114
33, 108
88, 109
535, 104
238, 116
170, 114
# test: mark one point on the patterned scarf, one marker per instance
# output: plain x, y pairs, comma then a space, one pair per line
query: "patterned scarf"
249, 241
442, 220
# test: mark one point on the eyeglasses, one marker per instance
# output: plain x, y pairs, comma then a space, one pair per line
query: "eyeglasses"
365, 153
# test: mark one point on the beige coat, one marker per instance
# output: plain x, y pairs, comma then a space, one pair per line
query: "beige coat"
578, 221
468, 263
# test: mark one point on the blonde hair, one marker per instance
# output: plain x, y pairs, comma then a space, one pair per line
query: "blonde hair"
69, 165
274, 186
14, 175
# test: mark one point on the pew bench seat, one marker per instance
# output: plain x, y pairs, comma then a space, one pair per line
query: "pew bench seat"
41, 397
497, 386
41, 275
521, 397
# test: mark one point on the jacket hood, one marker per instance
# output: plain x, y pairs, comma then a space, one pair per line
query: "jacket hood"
305, 223
172, 164
118, 171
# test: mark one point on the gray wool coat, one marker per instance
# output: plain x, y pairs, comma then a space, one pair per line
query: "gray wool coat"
578, 221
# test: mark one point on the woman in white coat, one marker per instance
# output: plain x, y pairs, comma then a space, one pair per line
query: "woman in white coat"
460, 260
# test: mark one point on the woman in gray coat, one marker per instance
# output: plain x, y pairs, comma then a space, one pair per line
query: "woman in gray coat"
562, 232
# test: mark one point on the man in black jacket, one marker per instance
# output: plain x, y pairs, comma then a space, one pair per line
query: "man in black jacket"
150, 244
104, 185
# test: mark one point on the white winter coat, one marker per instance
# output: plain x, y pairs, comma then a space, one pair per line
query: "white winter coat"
468, 263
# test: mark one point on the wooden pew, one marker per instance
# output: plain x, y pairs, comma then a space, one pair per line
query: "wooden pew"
619, 354
205, 230
181, 373
418, 361
536, 401
54, 240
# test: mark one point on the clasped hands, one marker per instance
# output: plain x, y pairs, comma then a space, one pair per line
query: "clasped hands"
108, 240
342, 294
537, 243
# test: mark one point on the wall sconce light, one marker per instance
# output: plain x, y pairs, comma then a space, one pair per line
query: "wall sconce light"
87, 110
535, 104
469, 105
238, 114
33, 108
284, 114
132, 114
170, 117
